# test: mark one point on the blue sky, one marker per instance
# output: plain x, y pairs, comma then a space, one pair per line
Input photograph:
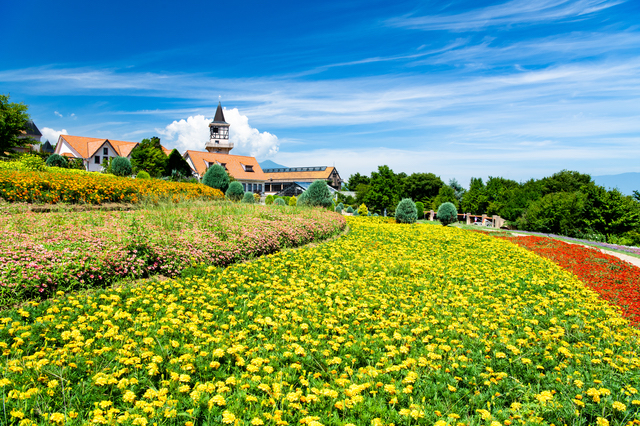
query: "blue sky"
519, 88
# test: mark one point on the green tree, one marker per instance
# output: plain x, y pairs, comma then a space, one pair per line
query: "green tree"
557, 213
317, 195
636, 195
216, 177
459, 190
355, 180
121, 166
446, 195
406, 211
176, 162
361, 193
13, 121
248, 198
447, 213
383, 191
423, 187
57, 160
475, 201
609, 212
564, 181
235, 192
149, 156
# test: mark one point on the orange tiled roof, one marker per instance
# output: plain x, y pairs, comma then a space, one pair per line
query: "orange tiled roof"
300, 176
233, 163
87, 147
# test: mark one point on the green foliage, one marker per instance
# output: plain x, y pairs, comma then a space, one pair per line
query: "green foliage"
446, 195
317, 195
177, 164
340, 205
149, 156
383, 190
13, 120
354, 181
57, 160
278, 202
476, 200
459, 190
422, 186
556, 213
339, 209
235, 192
362, 210
564, 181
30, 162
248, 198
447, 213
406, 211
143, 175
420, 210
216, 177
76, 164
268, 199
349, 209
293, 201
636, 195
121, 166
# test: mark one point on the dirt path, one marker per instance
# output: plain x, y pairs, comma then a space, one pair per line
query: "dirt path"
631, 259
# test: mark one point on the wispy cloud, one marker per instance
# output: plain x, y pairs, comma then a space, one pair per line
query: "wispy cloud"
514, 12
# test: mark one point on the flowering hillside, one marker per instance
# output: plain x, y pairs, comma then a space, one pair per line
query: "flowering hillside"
43, 253
391, 324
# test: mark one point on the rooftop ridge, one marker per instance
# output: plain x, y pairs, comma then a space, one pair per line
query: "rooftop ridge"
295, 169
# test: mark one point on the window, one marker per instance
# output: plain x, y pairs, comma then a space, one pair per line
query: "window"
247, 167
105, 151
96, 159
244, 186
215, 130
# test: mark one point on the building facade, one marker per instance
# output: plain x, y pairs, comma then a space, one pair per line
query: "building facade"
295, 180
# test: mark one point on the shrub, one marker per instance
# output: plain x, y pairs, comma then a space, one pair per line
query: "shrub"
293, 201
355, 213
143, 175
447, 213
286, 199
248, 198
216, 177
420, 208
349, 209
302, 199
278, 202
339, 209
31, 163
340, 205
121, 166
235, 192
406, 212
57, 160
269, 199
318, 195
256, 197
362, 210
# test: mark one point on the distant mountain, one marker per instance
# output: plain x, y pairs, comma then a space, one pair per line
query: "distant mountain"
268, 164
625, 182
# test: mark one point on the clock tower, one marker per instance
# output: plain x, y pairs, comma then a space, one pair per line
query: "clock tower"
219, 134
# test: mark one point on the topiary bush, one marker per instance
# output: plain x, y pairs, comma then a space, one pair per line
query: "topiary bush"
268, 200
318, 195
302, 199
57, 160
363, 210
420, 207
447, 213
340, 205
339, 209
121, 166
143, 175
248, 198
256, 197
406, 212
293, 201
216, 177
349, 209
235, 192
278, 202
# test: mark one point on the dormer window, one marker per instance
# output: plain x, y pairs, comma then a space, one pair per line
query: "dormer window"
247, 167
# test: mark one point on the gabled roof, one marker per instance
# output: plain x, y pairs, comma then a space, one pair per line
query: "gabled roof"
47, 147
219, 117
87, 147
32, 129
297, 174
233, 163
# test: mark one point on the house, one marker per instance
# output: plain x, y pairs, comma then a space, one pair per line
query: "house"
94, 151
296, 180
244, 169
32, 133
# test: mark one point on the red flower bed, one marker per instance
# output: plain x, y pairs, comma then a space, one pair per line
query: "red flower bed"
614, 279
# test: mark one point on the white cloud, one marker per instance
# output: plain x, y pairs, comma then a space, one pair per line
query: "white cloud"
52, 135
193, 134
57, 113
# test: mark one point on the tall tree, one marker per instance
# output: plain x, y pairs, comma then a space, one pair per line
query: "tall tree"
149, 156
13, 121
446, 195
459, 190
178, 163
383, 192
475, 201
564, 181
422, 187
355, 180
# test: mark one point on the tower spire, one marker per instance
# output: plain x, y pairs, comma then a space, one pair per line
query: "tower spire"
219, 134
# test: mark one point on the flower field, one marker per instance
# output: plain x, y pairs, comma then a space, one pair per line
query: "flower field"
390, 324
94, 188
613, 279
44, 253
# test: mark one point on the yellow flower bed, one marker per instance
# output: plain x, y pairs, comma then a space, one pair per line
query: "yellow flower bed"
391, 324
73, 186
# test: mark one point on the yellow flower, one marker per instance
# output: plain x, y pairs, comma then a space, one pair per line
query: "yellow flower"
257, 421
602, 422
619, 406
57, 417
228, 417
